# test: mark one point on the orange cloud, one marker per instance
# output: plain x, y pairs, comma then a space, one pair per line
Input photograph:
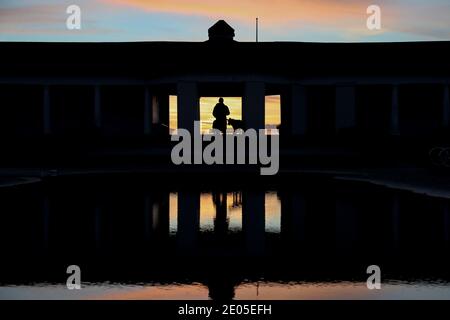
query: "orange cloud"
426, 19
273, 12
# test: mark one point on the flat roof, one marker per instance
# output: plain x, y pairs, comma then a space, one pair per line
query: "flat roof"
149, 60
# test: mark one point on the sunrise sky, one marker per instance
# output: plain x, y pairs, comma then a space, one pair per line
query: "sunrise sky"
188, 20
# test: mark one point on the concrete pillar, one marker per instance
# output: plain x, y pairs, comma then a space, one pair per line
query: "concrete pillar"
148, 101
253, 220
156, 215
188, 105
161, 110
156, 113
446, 109
163, 214
47, 111
395, 209
346, 222
446, 214
345, 107
98, 227
97, 108
253, 106
298, 110
395, 112
221, 218
188, 219
293, 217
148, 213
46, 222
156, 110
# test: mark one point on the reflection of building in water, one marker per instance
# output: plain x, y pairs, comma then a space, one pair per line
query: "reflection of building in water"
222, 212
222, 287
188, 219
323, 218
253, 223
320, 220
273, 213
237, 199
221, 220
216, 216
229, 214
173, 213
156, 217
235, 211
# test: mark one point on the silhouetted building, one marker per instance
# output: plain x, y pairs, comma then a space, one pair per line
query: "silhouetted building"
120, 91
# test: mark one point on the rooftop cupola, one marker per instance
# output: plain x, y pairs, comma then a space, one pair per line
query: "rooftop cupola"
221, 31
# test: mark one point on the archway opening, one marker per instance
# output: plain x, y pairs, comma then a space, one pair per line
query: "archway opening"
272, 113
207, 105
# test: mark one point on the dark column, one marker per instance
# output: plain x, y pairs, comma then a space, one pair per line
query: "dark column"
221, 219
395, 112
446, 108
294, 110
346, 221
46, 222
253, 220
148, 101
293, 216
156, 216
148, 213
299, 110
253, 106
97, 108
345, 107
188, 219
47, 111
160, 214
188, 105
395, 222
446, 213
160, 110
98, 227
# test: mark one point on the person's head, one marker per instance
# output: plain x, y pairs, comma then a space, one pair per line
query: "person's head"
220, 100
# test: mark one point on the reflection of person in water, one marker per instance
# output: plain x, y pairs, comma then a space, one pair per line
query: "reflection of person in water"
220, 112
222, 285
221, 220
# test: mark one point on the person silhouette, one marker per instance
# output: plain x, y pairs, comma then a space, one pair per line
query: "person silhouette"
220, 112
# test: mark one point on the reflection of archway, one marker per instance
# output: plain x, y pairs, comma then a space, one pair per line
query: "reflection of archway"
257, 103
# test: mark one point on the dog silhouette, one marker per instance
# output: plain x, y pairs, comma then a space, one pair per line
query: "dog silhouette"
236, 124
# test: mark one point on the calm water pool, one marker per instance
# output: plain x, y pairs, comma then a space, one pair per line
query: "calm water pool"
147, 238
